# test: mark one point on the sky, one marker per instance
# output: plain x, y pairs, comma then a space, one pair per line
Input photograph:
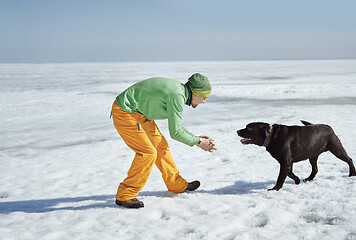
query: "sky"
167, 30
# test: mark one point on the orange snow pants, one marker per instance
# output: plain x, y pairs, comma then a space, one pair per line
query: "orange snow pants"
144, 138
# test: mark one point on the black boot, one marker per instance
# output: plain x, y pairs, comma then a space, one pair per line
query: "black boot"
132, 203
193, 185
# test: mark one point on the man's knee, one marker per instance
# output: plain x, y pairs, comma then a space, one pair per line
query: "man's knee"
163, 144
149, 155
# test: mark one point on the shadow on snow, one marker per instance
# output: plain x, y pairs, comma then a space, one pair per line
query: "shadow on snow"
107, 201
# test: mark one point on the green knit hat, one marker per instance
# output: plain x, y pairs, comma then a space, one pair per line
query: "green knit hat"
200, 85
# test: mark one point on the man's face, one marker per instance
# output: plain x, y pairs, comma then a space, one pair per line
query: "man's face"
196, 101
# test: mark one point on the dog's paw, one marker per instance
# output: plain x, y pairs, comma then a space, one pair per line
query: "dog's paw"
274, 189
307, 180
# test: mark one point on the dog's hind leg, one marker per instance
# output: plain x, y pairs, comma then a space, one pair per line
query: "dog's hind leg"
314, 169
336, 148
293, 176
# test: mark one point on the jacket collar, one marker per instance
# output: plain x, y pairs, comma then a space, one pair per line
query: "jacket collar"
189, 100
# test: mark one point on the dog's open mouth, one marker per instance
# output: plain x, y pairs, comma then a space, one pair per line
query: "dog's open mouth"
246, 141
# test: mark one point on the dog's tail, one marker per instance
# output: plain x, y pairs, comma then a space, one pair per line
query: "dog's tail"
306, 123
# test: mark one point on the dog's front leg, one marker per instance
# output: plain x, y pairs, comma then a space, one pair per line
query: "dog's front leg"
283, 172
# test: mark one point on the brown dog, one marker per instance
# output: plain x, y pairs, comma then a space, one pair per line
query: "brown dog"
290, 144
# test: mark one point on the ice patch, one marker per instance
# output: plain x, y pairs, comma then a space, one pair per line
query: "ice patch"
3, 195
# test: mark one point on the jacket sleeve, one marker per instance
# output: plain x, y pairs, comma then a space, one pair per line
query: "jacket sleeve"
177, 130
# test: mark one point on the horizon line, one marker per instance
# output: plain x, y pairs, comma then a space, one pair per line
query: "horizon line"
162, 61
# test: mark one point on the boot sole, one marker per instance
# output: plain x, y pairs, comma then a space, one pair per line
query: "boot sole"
134, 205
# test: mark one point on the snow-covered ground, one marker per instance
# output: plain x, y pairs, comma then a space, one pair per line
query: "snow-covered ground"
61, 158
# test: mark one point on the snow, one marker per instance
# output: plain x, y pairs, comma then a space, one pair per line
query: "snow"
61, 159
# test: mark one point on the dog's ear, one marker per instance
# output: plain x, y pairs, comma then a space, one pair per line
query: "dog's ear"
268, 130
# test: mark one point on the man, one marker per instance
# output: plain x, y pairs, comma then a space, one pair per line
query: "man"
134, 112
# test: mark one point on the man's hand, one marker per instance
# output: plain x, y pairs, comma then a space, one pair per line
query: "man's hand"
207, 144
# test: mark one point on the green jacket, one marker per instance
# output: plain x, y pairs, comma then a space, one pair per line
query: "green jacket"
160, 98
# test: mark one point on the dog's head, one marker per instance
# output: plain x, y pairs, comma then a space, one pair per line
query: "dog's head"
255, 133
